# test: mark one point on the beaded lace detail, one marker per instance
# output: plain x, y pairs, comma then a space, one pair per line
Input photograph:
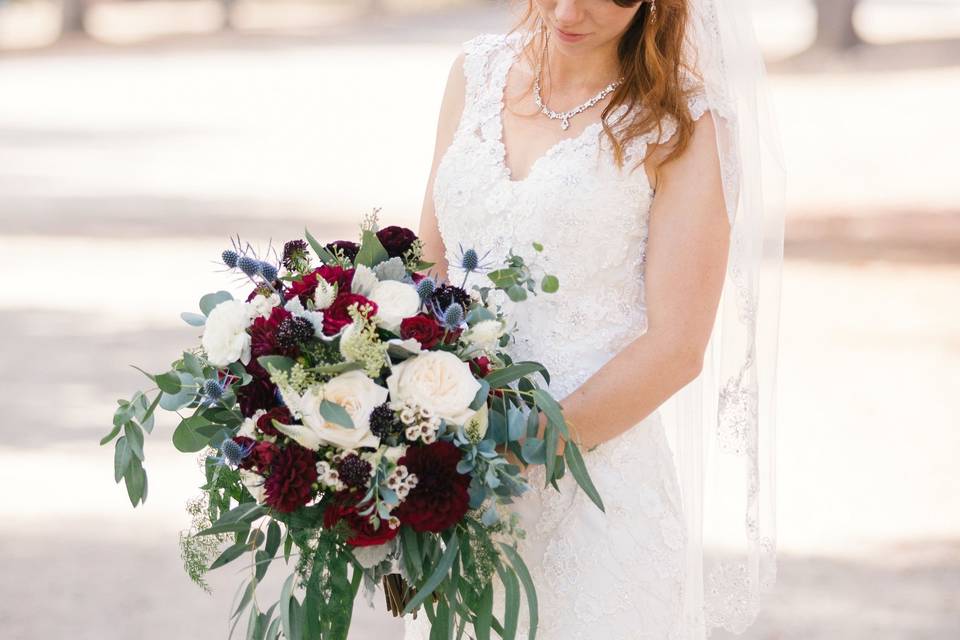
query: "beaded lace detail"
617, 575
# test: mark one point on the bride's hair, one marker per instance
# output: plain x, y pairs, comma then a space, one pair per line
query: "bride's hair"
652, 62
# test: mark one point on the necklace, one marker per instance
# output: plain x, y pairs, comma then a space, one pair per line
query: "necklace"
566, 115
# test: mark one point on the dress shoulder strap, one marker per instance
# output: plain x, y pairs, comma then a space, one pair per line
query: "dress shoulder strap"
487, 57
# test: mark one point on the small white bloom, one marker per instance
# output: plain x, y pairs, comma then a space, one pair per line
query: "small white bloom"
485, 334
225, 337
364, 280
395, 301
263, 305
324, 295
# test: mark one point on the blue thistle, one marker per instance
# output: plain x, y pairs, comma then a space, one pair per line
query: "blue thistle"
268, 271
250, 266
469, 260
426, 287
453, 316
234, 452
230, 258
213, 389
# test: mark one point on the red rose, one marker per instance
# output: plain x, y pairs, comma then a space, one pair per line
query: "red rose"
265, 422
344, 507
336, 317
396, 240
423, 328
307, 286
440, 498
293, 470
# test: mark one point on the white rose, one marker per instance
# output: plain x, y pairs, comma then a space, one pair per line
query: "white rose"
264, 305
437, 380
254, 484
225, 337
395, 301
485, 334
364, 280
353, 391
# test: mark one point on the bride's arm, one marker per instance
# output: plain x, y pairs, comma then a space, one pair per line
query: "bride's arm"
686, 261
451, 109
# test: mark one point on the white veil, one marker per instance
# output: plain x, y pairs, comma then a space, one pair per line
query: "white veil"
721, 426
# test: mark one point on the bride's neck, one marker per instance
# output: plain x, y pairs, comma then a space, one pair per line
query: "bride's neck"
586, 73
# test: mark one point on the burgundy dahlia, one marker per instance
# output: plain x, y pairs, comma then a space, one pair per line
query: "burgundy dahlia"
349, 249
264, 339
396, 240
265, 422
257, 394
292, 474
439, 499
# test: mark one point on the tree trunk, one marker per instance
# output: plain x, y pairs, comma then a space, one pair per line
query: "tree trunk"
835, 24
72, 13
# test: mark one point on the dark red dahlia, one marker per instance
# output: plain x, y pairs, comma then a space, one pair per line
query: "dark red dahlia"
344, 507
396, 240
292, 474
265, 422
261, 454
349, 249
336, 316
263, 339
440, 499
257, 394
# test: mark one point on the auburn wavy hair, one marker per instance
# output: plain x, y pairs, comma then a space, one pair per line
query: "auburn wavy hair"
652, 62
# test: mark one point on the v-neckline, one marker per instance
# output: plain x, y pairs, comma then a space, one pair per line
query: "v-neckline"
514, 55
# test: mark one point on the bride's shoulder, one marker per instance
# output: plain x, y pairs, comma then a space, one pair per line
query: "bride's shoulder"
485, 43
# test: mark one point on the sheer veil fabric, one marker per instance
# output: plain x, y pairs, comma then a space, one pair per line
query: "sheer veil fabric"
721, 427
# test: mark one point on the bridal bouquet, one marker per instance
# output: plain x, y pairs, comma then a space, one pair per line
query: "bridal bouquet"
356, 416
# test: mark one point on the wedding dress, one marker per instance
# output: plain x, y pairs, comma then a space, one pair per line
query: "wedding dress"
617, 575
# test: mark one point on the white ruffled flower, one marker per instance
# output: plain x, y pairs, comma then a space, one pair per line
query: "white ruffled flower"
395, 301
263, 305
225, 337
364, 280
324, 295
355, 392
438, 381
254, 484
248, 426
485, 334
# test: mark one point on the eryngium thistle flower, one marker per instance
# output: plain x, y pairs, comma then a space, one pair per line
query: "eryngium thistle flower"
268, 271
213, 389
426, 287
453, 316
250, 266
230, 258
234, 452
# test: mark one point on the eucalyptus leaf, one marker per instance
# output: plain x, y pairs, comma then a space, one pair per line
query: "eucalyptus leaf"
121, 458
574, 460
134, 439
136, 480
439, 573
282, 363
169, 382
187, 438
516, 293
194, 319
110, 436
336, 414
534, 450
186, 394
529, 588
553, 410
549, 284
229, 554
211, 300
504, 376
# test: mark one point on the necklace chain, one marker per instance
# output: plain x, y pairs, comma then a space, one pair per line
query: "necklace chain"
565, 116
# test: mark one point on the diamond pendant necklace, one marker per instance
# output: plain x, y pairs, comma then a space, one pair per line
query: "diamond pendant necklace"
566, 115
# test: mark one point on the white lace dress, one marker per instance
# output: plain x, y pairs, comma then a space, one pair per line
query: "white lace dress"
619, 575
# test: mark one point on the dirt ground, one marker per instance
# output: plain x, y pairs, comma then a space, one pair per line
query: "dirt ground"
124, 170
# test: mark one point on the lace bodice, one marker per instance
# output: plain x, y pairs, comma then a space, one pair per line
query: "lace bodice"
589, 215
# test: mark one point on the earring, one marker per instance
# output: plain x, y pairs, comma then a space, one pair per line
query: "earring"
653, 8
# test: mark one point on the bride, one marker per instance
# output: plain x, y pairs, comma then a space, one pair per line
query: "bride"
609, 131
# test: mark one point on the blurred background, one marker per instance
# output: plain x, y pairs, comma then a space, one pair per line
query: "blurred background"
137, 135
